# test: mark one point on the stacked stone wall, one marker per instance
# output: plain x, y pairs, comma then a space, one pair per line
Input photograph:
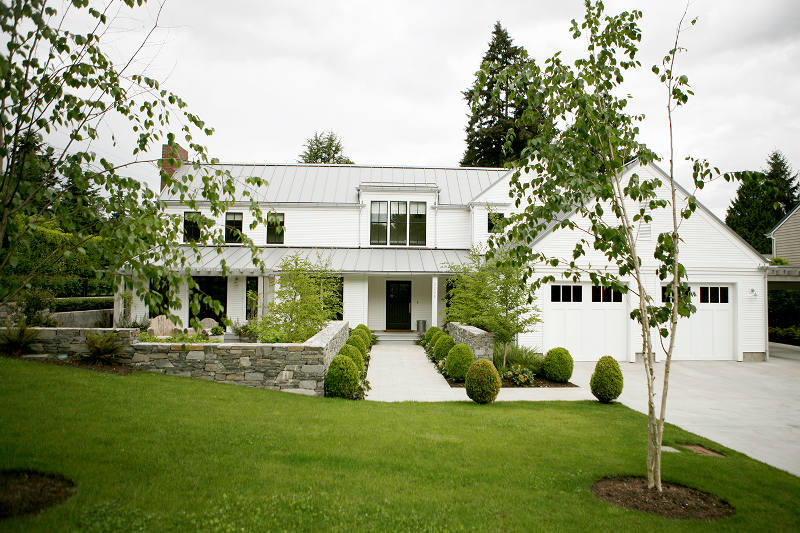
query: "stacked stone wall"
479, 341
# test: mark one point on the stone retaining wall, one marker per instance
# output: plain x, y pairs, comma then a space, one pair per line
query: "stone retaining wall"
84, 319
298, 368
480, 342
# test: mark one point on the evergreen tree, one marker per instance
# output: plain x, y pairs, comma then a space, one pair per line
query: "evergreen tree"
762, 200
492, 119
324, 147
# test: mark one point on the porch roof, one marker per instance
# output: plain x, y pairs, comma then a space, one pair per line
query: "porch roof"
345, 260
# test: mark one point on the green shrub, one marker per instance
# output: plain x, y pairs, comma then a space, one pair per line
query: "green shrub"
359, 343
429, 334
519, 375
103, 347
557, 365
364, 327
432, 342
83, 304
35, 302
354, 354
268, 336
482, 381
606, 382
443, 345
218, 330
789, 335
17, 340
459, 359
341, 380
366, 337
523, 356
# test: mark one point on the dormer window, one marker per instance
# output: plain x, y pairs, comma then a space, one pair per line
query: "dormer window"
379, 222
399, 226
233, 227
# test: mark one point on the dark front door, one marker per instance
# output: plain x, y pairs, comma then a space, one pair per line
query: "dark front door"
398, 305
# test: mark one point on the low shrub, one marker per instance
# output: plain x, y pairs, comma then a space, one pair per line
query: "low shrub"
519, 375
352, 352
83, 304
181, 338
373, 339
443, 345
359, 343
342, 379
218, 330
482, 381
429, 334
17, 339
606, 381
103, 347
528, 358
268, 336
459, 359
790, 335
365, 336
36, 303
557, 365
432, 342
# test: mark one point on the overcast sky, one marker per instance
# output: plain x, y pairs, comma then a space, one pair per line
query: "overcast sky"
387, 76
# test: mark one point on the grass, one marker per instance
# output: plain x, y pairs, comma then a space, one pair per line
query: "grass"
156, 453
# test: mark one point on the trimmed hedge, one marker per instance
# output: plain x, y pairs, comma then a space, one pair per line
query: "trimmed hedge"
557, 365
443, 345
352, 352
432, 342
606, 382
359, 343
459, 359
482, 381
83, 304
429, 334
341, 381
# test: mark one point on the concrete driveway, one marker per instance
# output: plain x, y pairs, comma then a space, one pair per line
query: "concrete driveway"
753, 408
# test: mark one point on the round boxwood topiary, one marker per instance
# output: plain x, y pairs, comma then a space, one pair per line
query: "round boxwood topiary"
606, 382
442, 347
482, 381
348, 350
341, 381
557, 365
364, 327
459, 359
366, 337
359, 343
432, 341
429, 334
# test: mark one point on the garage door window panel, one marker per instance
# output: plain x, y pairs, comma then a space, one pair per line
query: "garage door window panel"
605, 295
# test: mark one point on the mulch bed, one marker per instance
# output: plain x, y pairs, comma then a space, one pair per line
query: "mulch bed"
120, 370
675, 501
700, 450
537, 383
28, 491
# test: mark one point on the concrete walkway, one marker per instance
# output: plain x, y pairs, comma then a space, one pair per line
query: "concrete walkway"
753, 408
784, 351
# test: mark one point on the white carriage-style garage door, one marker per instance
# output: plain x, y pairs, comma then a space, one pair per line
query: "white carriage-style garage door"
708, 334
588, 321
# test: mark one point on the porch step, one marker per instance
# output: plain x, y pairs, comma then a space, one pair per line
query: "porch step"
405, 337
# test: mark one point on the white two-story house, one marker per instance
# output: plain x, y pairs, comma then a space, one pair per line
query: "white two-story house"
393, 234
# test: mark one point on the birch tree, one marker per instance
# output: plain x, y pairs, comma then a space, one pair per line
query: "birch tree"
581, 174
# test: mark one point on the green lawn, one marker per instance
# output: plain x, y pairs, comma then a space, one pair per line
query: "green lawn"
156, 453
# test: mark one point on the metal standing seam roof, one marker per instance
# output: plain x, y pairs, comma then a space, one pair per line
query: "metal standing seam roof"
338, 183
344, 260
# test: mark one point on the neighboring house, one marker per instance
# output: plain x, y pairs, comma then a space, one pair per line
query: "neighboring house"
394, 232
786, 237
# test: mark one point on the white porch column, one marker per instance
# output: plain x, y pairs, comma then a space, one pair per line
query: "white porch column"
263, 292
434, 301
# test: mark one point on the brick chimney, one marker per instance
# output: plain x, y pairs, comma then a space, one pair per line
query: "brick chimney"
177, 152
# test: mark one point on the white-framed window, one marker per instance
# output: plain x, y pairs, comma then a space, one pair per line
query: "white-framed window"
605, 295
566, 293
714, 295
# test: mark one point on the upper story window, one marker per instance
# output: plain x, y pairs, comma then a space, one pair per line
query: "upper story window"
233, 227
566, 293
378, 222
416, 223
496, 222
398, 229
191, 229
275, 228
605, 294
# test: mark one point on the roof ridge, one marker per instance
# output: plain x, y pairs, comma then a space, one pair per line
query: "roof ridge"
334, 165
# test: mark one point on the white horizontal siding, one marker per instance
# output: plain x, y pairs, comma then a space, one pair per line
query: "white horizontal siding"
236, 306
787, 239
355, 300
453, 228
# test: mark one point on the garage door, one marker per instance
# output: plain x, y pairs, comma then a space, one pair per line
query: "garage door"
588, 321
707, 334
